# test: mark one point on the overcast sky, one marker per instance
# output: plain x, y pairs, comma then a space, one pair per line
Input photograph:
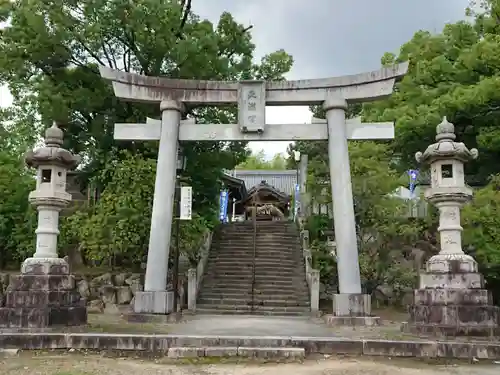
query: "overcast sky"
327, 37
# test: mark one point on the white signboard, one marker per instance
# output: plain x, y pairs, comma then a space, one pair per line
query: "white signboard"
186, 203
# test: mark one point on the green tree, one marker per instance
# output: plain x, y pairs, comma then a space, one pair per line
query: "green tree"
385, 235
118, 225
259, 161
49, 58
51, 51
481, 223
455, 73
16, 216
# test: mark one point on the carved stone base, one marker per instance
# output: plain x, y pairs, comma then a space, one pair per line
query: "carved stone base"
352, 321
352, 310
42, 296
453, 303
349, 305
154, 302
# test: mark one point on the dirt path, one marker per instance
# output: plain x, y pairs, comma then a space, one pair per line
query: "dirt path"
95, 365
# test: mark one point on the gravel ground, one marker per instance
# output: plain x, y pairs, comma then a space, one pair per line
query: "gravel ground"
27, 364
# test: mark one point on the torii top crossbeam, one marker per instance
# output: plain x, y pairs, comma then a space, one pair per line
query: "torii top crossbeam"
353, 88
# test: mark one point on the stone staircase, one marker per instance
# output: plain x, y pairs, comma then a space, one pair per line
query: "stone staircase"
280, 281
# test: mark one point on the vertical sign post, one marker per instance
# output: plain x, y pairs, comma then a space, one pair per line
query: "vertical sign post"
186, 203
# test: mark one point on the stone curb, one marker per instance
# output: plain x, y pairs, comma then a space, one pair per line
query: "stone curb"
159, 344
218, 351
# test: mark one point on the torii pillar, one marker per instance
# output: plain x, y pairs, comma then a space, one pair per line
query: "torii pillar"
252, 97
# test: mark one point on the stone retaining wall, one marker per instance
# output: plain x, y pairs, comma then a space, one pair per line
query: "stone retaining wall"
108, 292
160, 344
104, 293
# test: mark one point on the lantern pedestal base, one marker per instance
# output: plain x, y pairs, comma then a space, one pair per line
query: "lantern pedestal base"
42, 296
452, 302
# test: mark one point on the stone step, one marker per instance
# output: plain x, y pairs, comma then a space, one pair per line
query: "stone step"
259, 277
260, 252
258, 227
275, 236
247, 301
259, 224
244, 352
259, 269
267, 270
268, 279
229, 290
233, 256
263, 240
263, 228
245, 274
261, 231
261, 286
258, 236
217, 260
299, 292
258, 310
260, 244
234, 311
243, 250
265, 289
277, 250
263, 265
262, 290
255, 302
300, 295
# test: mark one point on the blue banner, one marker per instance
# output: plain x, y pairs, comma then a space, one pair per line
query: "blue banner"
413, 174
223, 201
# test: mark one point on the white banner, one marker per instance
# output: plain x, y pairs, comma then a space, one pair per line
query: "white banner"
186, 203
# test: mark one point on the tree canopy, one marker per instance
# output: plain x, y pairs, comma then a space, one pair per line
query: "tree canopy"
49, 58
259, 161
456, 74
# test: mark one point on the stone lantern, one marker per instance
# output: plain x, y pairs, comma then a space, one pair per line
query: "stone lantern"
450, 299
44, 294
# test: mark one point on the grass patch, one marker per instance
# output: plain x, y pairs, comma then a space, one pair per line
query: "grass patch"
116, 324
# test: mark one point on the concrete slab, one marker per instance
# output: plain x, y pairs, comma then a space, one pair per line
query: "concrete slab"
251, 325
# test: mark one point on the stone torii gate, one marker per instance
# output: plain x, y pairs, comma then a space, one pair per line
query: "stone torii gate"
252, 97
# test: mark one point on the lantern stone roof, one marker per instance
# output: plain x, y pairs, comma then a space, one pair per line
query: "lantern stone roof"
446, 147
52, 153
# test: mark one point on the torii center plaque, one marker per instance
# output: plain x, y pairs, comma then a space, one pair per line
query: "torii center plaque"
252, 106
